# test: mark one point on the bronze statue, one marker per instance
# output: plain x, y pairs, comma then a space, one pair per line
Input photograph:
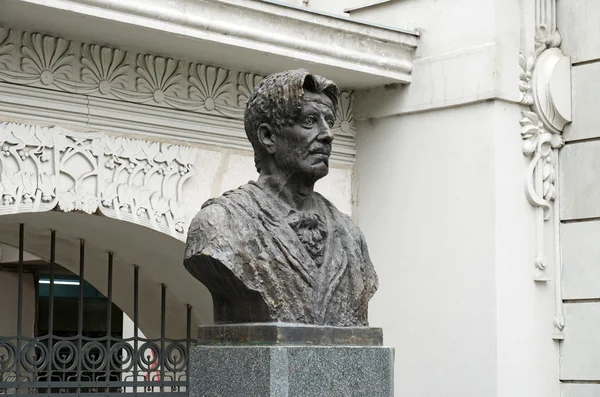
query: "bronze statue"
274, 250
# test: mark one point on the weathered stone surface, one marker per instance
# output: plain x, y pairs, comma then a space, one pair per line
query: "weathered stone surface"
586, 94
580, 390
580, 253
579, 193
578, 25
291, 371
288, 334
580, 350
274, 250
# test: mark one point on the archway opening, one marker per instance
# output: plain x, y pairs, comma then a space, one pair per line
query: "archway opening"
82, 272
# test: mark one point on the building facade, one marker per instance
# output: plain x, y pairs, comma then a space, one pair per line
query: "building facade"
456, 152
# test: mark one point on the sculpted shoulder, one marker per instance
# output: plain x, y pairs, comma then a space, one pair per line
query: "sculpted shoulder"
216, 222
206, 225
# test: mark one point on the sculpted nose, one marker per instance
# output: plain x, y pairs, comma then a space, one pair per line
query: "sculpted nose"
326, 133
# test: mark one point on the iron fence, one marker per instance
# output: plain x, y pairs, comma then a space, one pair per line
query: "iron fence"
79, 365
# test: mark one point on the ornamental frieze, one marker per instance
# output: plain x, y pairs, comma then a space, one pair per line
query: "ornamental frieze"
47, 168
44, 61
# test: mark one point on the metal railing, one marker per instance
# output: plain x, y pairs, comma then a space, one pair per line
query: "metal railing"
80, 365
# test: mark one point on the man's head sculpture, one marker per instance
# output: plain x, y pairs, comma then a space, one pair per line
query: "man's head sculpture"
274, 250
283, 105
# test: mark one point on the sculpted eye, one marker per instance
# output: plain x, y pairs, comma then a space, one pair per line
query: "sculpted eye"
310, 120
330, 123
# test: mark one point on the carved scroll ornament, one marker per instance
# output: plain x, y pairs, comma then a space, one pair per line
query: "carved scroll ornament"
545, 84
43, 168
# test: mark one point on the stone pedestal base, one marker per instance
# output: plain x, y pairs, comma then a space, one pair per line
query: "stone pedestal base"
291, 371
269, 367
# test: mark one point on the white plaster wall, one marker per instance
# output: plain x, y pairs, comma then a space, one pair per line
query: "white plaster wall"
441, 204
468, 52
578, 22
452, 24
445, 26
426, 207
9, 284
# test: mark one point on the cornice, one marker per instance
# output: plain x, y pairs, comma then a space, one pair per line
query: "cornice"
265, 27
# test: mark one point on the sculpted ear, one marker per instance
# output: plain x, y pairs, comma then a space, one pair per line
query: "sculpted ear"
266, 137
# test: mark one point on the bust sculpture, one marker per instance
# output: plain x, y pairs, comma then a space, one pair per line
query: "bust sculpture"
274, 250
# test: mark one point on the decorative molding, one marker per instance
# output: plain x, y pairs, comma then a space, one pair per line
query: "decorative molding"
541, 147
345, 123
47, 168
544, 39
98, 71
545, 85
277, 31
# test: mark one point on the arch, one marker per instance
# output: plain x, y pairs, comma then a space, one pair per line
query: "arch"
138, 181
159, 257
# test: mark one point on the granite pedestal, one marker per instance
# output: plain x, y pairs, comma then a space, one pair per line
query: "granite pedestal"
290, 360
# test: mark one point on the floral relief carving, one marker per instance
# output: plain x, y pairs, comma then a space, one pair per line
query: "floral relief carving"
526, 66
6, 47
85, 149
44, 168
47, 57
344, 123
246, 84
104, 67
544, 39
133, 166
158, 76
26, 179
209, 86
538, 145
51, 62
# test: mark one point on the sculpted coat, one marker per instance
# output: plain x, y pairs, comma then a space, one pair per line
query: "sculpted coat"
247, 236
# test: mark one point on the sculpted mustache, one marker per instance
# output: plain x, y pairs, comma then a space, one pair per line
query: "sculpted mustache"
321, 149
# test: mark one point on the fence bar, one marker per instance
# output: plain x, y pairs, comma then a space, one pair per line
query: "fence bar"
163, 332
136, 290
189, 322
51, 299
80, 315
109, 315
20, 306
101, 372
188, 340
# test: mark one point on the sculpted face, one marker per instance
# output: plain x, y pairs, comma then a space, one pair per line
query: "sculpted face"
304, 146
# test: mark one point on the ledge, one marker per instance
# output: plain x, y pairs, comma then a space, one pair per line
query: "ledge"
470, 75
250, 35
